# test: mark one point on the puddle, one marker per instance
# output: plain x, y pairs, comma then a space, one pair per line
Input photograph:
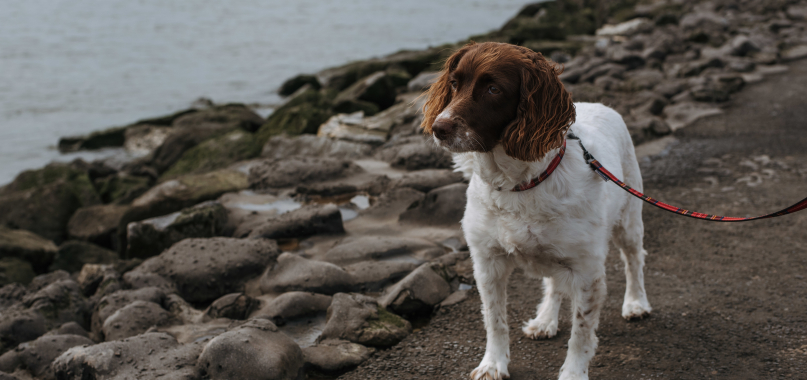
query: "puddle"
466, 287
305, 331
282, 206
348, 214
361, 201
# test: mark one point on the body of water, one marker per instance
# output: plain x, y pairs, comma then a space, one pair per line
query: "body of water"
72, 67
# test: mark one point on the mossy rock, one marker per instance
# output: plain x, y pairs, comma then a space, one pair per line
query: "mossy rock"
122, 189
43, 210
550, 21
166, 120
112, 137
302, 114
75, 179
216, 153
73, 254
547, 47
291, 85
232, 115
15, 270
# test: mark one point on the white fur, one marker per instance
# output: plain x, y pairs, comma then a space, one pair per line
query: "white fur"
558, 230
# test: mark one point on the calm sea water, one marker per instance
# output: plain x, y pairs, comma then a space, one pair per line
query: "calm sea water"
72, 67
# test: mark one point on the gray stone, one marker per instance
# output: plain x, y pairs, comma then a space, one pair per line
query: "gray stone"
232, 306
363, 248
442, 206
110, 304
415, 153
294, 171
374, 276
69, 328
716, 88
134, 319
43, 210
74, 254
295, 273
303, 222
206, 269
308, 145
351, 127
139, 357
293, 84
11, 294
609, 69
99, 280
27, 246
292, 305
150, 237
643, 79
36, 356
392, 203
335, 357
43, 280
680, 115
18, 325
377, 88
794, 53
255, 350
142, 140
428, 179
13, 270
373, 184
422, 81
186, 191
359, 319
669, 89
417, 293
60, 302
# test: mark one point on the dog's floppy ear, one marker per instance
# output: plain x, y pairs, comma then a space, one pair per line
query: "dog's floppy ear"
439, 94
545, 111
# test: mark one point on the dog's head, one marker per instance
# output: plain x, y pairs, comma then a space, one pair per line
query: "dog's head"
495, 93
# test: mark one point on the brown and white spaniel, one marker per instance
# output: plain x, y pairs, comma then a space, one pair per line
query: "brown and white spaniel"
505, 115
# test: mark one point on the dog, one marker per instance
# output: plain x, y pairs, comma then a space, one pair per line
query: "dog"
503, 113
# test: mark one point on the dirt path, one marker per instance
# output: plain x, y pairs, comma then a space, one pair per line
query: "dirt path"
730, 300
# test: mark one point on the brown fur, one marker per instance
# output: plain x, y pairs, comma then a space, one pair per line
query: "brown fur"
531, 116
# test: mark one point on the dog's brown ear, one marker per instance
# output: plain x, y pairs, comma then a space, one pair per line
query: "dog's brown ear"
439, 94
545, 111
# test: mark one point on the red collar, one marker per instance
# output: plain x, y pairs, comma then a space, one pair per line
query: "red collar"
541, 178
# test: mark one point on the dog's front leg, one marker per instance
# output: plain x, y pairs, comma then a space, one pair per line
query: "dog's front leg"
588, 298
491, 273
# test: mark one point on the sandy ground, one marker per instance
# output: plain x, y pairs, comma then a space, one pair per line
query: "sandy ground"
730, 300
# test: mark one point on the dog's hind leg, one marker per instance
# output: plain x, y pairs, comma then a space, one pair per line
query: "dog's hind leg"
628, 237
588, 298
491, 275
545, 323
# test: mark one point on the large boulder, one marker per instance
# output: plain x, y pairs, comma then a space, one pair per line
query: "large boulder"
377, 88
550, 20
152, 236
292, 305
359, 319
139, 357
428, 179
36, 357
27, 246
415, 153
298, 170
283, 146
73, 254
364, 248
295, 273
206, 269
303, 222
350, 127
441, 206
334, 357
43, 210
134, 319
18, 325
303, 113
374, 276
97, 224
255, 350
291, 85
216, 153
122, 187
417, 293
74, 176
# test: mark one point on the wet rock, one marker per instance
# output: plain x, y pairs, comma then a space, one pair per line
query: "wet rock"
215, 153
392, 203
428, 179
335, 357
11, 294
305, 111
152, 236
112, 303
232, 306
293, 84
43, 210
69, 328
422, 81
27, 246
295, 273
112, 137
15, 271
377, 88
417, 293
374, 276
303, 222
280, 147
442, 206
364, 248
206, 269
97, 224
366, 183
73, 254
138, 357
350, 127
292, 305
682, 114
298, 170
36, 356
134, 319
256, 350
415, 153
359, 319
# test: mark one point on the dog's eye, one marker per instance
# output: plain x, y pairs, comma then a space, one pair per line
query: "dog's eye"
453, 85
494, 90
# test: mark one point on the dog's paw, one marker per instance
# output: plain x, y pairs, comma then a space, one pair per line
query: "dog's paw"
536, 329
636, 309
490, 370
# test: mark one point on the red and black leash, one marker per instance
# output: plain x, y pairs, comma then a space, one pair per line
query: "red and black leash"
605, 174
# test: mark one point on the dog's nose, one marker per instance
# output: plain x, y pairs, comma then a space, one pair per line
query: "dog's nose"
442, 128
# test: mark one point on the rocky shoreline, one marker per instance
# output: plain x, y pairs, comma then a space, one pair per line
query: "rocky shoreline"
300, 245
